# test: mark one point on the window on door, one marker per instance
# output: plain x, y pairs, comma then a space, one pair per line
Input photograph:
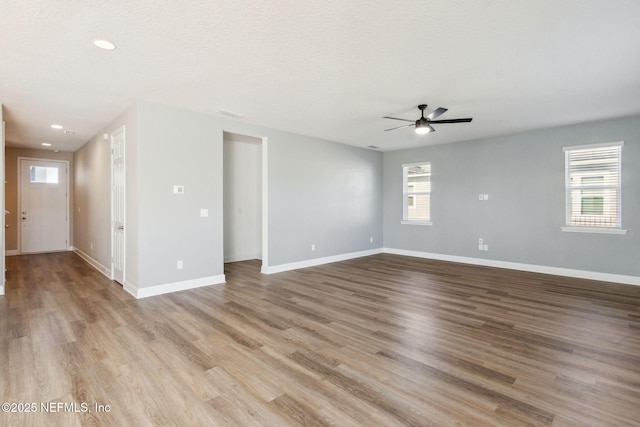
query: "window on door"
43, 175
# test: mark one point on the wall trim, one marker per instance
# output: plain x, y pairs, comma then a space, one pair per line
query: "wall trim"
150, 291
317, 261
558, 271
11, 252
130, 288
94, 263
242, 257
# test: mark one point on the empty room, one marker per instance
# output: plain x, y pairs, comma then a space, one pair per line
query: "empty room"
295, 213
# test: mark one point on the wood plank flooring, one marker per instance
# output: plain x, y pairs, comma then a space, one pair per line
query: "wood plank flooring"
377, 341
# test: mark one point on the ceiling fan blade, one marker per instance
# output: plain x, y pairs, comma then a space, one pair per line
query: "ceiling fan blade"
451, 121
395, 118
436, 113
400, 127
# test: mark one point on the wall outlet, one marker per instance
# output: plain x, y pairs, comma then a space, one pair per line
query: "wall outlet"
180, 265
178, 189
481, 245
313, 247
371, 239
204, 212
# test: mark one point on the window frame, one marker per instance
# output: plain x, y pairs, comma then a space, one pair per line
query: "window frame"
406, 194
590, 189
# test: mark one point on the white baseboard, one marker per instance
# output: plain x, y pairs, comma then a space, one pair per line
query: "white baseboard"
11, 252
94, 263
568, 272
167, 288
317, 261
2, 290
130, 288
237, 258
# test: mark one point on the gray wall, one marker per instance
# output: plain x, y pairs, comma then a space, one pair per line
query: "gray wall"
178, 147
320, 193
523, 175
92, 207
92, 196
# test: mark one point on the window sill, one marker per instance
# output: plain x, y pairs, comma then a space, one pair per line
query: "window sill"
594, 230
416, 222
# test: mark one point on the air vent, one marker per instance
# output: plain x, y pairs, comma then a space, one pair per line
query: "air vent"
230, 114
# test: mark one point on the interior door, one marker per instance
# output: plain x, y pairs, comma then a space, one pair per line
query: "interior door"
118, 205
43, 206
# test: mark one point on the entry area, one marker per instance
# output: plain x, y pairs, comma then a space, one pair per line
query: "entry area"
43, 206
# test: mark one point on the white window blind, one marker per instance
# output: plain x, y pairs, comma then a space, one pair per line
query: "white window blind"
417, 193
593, 185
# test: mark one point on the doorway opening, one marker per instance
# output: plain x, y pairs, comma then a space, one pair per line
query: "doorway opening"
244, 213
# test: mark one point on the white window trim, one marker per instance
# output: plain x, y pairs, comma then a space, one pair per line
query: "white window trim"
597, 230
415, 222
405, 207
588, 146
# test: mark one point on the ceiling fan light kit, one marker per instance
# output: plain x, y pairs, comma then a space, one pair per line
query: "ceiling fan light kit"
424, 128
423, 124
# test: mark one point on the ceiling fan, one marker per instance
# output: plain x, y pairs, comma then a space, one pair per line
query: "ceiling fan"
423, 124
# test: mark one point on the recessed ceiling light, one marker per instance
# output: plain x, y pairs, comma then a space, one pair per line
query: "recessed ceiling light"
103, 44
56, 126
46, 144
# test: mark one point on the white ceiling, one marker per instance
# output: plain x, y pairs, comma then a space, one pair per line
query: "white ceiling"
329, 69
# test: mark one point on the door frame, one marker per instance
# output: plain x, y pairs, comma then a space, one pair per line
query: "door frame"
4, 202
265, 205
19, 182
112, 135
264, 154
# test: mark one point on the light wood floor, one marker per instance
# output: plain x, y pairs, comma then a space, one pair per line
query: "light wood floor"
377, 341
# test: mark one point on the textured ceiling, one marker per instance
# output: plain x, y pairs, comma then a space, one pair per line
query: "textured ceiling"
329, 69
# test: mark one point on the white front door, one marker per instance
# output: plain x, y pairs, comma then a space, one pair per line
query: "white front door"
43, 206
117, 205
